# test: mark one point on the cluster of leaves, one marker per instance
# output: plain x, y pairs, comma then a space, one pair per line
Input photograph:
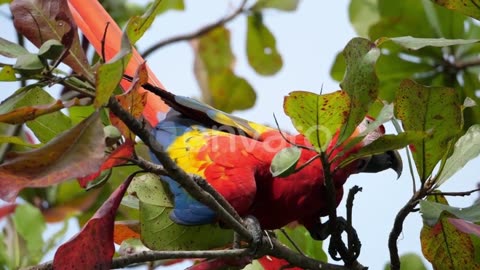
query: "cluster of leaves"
432, 82
214, 59
87, 142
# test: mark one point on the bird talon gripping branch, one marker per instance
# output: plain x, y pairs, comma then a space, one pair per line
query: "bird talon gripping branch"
253, 226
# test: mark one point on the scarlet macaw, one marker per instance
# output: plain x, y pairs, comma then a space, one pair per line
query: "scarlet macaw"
232, 154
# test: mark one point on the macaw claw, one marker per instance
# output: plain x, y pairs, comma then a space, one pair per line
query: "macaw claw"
253, 226
337, 249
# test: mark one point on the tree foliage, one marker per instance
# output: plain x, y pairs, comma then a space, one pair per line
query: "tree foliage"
415, 63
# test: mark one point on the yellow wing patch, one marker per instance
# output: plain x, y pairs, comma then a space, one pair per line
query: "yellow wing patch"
185, 149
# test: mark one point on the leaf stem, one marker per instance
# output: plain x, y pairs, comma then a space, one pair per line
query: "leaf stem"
202, 31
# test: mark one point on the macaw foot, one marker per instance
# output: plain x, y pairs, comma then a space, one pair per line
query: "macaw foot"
337, 248
253, 226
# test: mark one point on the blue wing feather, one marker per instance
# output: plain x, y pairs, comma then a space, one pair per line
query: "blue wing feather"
187, 211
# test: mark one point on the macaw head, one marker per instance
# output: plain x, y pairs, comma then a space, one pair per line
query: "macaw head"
377, 162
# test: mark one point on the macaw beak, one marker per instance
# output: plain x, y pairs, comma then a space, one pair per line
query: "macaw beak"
380, 162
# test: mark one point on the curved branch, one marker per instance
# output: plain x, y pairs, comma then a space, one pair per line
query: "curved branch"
398, 227
198, 33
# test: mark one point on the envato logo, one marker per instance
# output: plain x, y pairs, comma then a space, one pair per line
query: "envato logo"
228, 139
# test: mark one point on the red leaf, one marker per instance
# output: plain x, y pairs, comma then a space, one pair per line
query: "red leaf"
126, 229
41, 20
133, 101
93, 247
7, 210
465, 226
273, 263
118, 157
74, 153
74, 206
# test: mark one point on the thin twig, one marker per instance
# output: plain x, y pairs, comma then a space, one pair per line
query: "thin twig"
461, 65
197, 33
461, 193
351, 196
149, 166
398, 227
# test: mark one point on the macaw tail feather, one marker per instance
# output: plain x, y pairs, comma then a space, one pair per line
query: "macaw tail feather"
93, 19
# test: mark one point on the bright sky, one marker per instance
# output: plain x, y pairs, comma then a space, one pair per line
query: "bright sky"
308, 40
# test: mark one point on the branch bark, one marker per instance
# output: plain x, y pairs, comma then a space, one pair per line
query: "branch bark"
398, 226
197, 33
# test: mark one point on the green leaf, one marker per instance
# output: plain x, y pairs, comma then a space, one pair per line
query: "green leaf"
41, 126
148, 188
51, 49
413, 43
318, 117
261, 47
444, 245
360, 82
159, 232
410, 261
110, 74
385, 143
447, 24
284, 5
214, 61
7, 74
17, 140
138, 25
432, 211
30, 225
285, 161
469, 8
5, 259
466, 148
10, 49
363, 14
337, 71
392, 69
214, 50
255, 265
385, 115
400, 18
78, 113
301, 237
230, 92
29, 64
434, 110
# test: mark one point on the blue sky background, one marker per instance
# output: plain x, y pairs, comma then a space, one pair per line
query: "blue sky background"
308, 40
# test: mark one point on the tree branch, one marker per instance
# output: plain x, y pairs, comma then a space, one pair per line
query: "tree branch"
461, 65
148, 256
398, 226
461, 193
197, 33
177, 173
